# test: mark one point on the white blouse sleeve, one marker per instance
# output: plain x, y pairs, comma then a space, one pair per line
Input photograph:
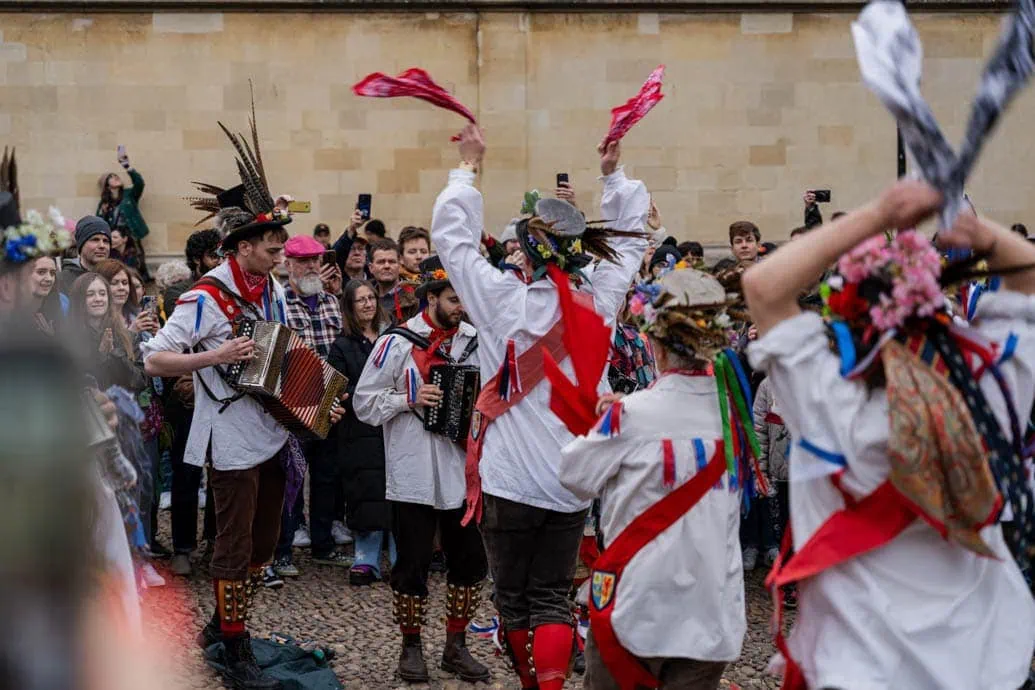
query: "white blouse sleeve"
456, 228
588, 462
1007, 318
377, 399
624, 204
821, 409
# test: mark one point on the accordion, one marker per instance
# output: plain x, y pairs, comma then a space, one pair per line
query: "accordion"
460, 386
288, 378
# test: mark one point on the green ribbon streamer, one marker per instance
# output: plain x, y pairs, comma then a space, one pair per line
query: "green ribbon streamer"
721, 370
742, 412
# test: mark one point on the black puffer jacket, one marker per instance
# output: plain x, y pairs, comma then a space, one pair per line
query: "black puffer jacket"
359, 449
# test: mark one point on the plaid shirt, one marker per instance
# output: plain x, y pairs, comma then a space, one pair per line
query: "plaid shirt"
319, 328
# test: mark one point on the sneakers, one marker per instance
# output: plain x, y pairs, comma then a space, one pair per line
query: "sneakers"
285, 568
150, 576
750, 558
771, 555
302, 537
165, 500
334, 558
180, 565
270, 579
341, 533
362, 576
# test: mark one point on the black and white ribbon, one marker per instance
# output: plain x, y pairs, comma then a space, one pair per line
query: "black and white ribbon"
890, 59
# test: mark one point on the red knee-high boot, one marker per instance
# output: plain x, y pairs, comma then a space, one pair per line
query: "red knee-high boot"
552, 654
520, 649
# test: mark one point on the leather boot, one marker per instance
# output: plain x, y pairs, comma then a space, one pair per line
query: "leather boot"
457, 659
210, 634
412, 668
241, 668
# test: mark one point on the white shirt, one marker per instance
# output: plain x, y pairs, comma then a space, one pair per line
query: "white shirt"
919, 612
420, 467
682, 595
244, 435
522, 447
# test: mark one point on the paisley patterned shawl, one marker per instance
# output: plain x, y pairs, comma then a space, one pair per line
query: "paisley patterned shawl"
938, 459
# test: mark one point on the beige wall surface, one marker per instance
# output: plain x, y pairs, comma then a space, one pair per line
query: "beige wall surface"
759, 107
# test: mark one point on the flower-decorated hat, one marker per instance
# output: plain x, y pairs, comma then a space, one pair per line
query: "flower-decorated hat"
559, 234
687, 311
32, 237
433, 277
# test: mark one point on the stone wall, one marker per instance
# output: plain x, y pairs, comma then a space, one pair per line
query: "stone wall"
759, 107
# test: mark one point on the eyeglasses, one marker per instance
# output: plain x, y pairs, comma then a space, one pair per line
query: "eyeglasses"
364, 300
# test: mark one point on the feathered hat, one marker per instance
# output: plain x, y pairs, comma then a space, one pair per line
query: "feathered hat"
558, 233
248, 209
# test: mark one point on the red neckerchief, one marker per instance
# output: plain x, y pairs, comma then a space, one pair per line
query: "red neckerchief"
249, 285
424, 359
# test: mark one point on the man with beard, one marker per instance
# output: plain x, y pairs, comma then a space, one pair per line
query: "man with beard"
425, 473
93, 242
316, 317
397, 298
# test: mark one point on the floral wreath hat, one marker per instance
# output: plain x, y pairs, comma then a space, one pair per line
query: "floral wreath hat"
33, 237
688, 311
559, 234
891, 328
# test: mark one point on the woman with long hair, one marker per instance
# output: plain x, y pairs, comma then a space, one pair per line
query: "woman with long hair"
360, 449
91, 313
41, 284
125, 296
119, 207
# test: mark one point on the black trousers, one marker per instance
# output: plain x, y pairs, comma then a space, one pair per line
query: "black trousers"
533, 553
186, 480
324, 490
413, 526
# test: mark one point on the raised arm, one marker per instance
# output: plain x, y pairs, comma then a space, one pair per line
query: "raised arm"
456, 230
772, 286
625, 204
1005, 249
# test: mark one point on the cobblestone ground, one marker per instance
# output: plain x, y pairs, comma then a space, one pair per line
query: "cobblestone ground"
356, 623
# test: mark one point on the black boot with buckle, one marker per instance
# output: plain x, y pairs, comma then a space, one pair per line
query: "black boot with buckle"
409, 614
461, 604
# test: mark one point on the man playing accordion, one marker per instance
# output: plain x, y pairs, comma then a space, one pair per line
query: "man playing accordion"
425, 470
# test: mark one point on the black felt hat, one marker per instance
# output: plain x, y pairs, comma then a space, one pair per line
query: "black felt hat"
433, 276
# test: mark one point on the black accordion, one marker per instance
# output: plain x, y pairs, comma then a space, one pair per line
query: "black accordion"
460, 386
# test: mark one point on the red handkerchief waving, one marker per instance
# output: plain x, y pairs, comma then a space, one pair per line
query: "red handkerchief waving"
588, 342
415, 83
625, 116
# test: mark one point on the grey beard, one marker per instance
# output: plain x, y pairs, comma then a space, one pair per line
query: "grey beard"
309, 285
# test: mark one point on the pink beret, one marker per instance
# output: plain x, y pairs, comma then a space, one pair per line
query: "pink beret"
302, 246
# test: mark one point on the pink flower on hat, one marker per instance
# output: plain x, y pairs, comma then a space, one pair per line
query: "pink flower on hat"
303, 246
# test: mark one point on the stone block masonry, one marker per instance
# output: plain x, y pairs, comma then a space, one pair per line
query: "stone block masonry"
759, 108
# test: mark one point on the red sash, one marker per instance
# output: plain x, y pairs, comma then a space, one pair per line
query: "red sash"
625, 668
490, 405
861, 526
